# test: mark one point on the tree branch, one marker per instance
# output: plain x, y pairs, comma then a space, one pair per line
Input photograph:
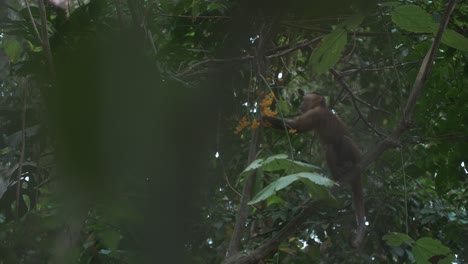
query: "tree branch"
426, 67
243, 211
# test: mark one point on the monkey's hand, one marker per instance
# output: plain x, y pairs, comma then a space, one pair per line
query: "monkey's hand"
276, 122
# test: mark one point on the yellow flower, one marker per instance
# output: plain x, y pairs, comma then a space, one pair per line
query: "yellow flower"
268, 112
242, 124
255, 124
268, 100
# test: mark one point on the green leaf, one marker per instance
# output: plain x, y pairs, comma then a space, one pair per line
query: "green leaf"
396, 239
414, 19
4, 151
214, 6
455, 40
282, 106
448, 260
426, 248
290, 166
253, 166
279, 162
110, 238
353, 22
275, 157
285, 181
329, 52
274, 199
12, 49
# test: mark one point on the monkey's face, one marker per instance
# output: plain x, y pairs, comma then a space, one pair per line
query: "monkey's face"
310, 101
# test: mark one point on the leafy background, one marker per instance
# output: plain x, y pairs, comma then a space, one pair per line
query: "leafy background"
128, 146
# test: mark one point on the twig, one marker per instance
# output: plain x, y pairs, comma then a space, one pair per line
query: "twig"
449, 138
353, 71
230, 185
354, 98
208, 61
45, 38
360, 34
300, 46
195, 17
21, 160
192, 67
32, 21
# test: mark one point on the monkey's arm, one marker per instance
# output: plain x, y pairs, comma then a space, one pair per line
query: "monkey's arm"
302, 123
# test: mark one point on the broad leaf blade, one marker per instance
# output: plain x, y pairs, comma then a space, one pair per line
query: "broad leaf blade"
329, 52
253, 166
289, 166
353, 22
396, 239
413, 18
285, 181
426, 247
455, 40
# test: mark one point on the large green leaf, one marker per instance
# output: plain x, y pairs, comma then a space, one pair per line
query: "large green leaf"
280, 162
352, 22
329, 52
414, 19
12, 49
253, 166
285, 181
290, 166
396, 239
455, 40
426, 248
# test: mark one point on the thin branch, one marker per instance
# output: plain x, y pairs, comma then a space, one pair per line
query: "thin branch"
354, 98
243, 210
300, 46
283, 52
196, 17
426, 67
21, 160
447, 138
32, 21
45, 38
354, 71
194, 66
360, 34
230, 185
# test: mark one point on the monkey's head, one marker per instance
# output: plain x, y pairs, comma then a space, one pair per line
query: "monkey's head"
310, 101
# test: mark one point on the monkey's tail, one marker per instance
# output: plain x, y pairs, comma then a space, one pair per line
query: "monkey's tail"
358, 200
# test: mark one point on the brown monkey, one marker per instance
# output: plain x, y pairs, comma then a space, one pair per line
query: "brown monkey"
341, 152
